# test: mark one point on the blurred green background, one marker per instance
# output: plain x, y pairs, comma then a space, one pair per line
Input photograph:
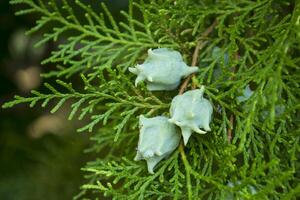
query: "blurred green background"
40, 154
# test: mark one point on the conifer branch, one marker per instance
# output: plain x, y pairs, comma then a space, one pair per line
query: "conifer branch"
200, 44
261, 159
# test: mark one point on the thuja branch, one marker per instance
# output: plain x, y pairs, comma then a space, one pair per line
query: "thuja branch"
200, 45
268, 145
113, 101
77, 95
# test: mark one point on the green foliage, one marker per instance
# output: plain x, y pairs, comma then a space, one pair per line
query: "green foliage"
253, 144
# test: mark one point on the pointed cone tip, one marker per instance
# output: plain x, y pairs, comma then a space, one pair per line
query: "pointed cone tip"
198, 130
190, 70
202, 88
207, 128
139, 67
186, 134
138, 80
133, 70
193, 69
150, 52
150, 166
137, 157
178, 123
185, 140
150, 79
171, 120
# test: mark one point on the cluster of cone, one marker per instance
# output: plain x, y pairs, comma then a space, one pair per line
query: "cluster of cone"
190, 111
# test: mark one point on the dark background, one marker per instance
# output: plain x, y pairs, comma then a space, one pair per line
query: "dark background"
40, 154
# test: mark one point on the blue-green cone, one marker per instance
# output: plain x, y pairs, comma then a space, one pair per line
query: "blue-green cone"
158, 139
162, 70
191, 112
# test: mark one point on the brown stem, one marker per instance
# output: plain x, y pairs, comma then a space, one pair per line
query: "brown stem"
200, 44
229, 132
231, 119
209, 29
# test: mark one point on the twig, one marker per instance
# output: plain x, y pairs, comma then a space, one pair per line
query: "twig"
200, 45
229, 132
231, 119
185, 83
209, 29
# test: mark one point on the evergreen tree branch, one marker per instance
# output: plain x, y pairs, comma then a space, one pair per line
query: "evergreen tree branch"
181, 91
115, 100
252, 151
